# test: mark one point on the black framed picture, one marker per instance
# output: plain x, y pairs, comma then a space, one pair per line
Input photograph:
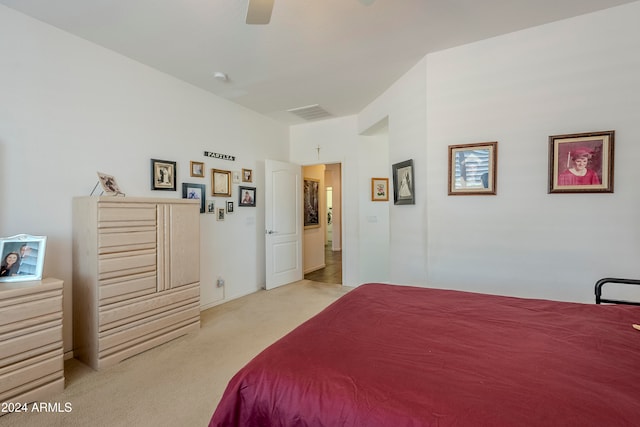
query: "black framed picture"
246, 196
163, 175
403, 183
194, 191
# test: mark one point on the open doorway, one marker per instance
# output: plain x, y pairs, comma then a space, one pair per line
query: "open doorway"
322, 251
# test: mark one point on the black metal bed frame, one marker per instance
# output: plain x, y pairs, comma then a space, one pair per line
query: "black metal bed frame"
601, 282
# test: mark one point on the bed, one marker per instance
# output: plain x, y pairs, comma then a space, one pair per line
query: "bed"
390, 355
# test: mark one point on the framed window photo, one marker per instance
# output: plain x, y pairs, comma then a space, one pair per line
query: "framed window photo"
473, 168
229, 207
403, 184
220, 214
311, 203
163, 175
247, 175
220, 183
246, 196
22, 257
197, 169
581, 162
194, 191
236, 177
379, 189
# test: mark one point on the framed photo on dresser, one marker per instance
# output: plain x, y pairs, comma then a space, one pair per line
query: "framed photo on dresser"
22, 257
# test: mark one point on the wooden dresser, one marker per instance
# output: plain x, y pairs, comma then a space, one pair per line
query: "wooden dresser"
31, 351
136, 275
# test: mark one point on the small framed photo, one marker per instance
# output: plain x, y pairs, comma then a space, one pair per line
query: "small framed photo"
581, 162
229, 207
163, 175
22, 257
472, 169
379, 189
246, 196
403, 187
211, 206
247, 175
220, 183
197, 169
220, 214
194, 191
109, 184
236, 177
311, 201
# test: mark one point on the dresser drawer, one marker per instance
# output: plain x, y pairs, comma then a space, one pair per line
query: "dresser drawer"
30, 371
118, 289
28, 312
28, 342
127, 312
126, 263
116, 215
126, 239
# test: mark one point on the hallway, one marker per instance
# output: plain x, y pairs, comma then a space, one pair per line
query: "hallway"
332, 272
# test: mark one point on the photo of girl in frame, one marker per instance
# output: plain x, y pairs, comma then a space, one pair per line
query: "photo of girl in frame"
581, 163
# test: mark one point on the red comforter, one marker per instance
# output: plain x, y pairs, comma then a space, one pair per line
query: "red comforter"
386, 355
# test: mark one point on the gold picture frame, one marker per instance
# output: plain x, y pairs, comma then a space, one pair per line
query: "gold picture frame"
197, 169
473, 169
379, 189
220, 183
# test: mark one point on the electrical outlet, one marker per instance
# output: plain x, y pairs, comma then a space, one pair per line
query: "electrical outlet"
220, 282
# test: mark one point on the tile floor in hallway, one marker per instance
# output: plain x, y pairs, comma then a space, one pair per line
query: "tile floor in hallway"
332, 272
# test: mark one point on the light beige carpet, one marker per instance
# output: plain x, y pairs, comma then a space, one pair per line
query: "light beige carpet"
181, 382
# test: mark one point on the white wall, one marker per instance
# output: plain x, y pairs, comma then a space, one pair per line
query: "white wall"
576, 75
404, 104
69, 108
339, 142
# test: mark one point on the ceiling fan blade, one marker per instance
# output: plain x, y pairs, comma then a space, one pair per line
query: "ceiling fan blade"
259, 12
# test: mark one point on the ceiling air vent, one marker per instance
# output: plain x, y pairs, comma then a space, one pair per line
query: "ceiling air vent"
310, 112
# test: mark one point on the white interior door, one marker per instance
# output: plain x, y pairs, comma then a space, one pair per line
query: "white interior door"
283, 223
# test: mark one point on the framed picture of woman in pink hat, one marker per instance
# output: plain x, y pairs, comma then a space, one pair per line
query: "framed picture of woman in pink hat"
581, 162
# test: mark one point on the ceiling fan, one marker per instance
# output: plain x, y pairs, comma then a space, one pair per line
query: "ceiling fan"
259, 11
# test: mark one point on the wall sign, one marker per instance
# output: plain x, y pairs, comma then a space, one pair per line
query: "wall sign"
220, 156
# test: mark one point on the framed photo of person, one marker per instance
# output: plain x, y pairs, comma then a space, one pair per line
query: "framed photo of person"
163, 175
472, 169
403, 183
379, 189
229, 207
194, 191
247, 175
22, 258
246, 196
581, 162
220, 183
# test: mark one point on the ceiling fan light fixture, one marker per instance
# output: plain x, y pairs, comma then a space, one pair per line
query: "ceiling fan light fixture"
219, 75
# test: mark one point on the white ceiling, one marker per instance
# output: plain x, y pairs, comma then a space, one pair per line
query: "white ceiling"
340, 54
